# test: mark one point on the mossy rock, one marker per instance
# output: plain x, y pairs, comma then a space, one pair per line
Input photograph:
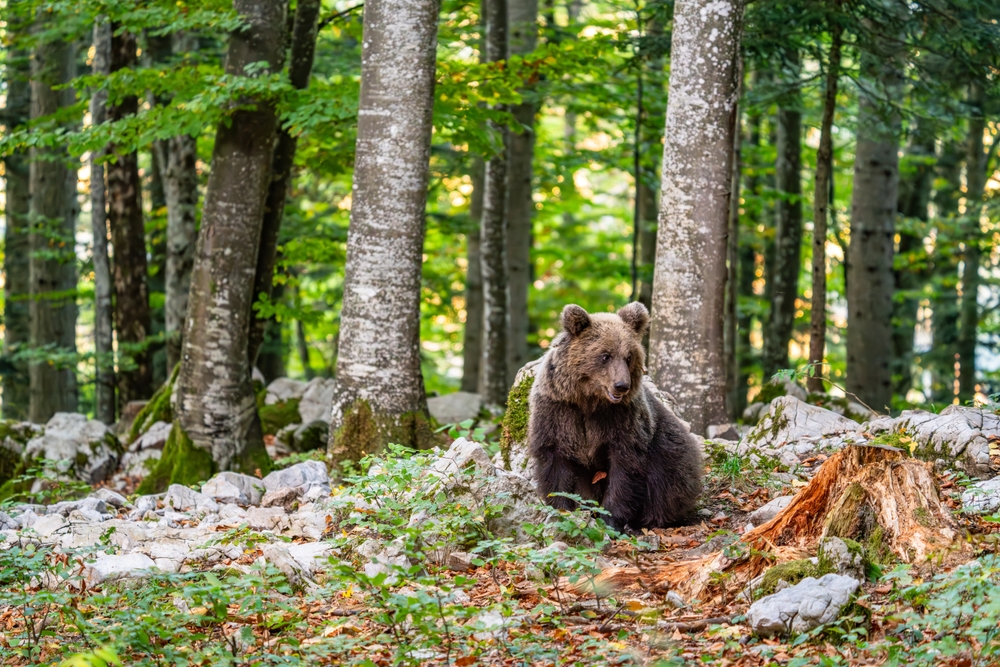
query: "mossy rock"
514, 429
181, 463
275, 417
791, 573
770, 391
158, 409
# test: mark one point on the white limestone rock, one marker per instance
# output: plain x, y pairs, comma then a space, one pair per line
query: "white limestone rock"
303, 476
283, 389
802, 607
234, 487
317, 400
84, 448
117, 566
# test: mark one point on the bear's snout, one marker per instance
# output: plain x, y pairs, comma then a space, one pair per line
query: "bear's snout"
622, 387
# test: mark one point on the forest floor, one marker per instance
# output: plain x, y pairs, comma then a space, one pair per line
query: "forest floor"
394, 593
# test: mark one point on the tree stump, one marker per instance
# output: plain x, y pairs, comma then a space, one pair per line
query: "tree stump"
874, 495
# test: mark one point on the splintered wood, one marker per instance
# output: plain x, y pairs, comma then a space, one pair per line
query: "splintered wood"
874, 495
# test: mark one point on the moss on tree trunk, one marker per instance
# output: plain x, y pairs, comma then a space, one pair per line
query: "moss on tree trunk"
158, 409
364, 431
180, 463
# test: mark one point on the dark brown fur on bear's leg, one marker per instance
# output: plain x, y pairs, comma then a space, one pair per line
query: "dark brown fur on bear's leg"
556, 474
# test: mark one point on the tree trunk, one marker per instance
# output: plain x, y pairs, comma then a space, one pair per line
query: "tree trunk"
493, 235
17, 241
302, 346
381, 395
870, 282
54, 210
745, 353
271, 358
472, 342
733, 388
523, 26
914, 196
129, 239
788, 228
104, 363
821, 207
942, 357
300, 68
975, 180
216, 426
648, 210
686, 338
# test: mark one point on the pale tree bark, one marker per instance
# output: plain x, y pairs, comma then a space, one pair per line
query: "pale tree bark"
870, 281
975, 181
686, 338
104, 363
472, 341
300, 68
523, 26
54, 210
17, 240
380, 397
788, 228
128, 237
493, 237
216, 424
821, 208
177, 159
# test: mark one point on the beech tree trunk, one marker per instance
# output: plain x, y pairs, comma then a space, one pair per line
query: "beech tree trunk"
733, 387
788, 228
302, 51
17, 240
54, 209
104, 363
128, 236
943, 356
472, 341
493, 231
380, 396
686, 338
975, 181
646, 192
216, 424
870, 281
523, 23
821, 207
745, 352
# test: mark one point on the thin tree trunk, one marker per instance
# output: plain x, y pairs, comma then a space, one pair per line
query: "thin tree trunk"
686, 339
177, 159
52, 270
975, 180
788, 228
943, 355
17, 240
745, 353
870, 282
648, 211
104, 363
380, 394
302, 345
523, 27
493, 244
472, 342
914, 191
821, 207
733, 388
216, 424
300, 68
129, 239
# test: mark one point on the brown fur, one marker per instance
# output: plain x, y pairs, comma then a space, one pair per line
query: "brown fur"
590, 413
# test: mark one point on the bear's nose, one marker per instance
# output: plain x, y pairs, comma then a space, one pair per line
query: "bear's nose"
622, 387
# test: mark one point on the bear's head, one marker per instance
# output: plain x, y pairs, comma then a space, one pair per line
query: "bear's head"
602, 360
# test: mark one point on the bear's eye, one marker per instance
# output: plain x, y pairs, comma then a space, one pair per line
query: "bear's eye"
628, 360
605, 357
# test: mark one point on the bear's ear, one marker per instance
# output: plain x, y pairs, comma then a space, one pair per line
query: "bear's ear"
636, 316
574, 319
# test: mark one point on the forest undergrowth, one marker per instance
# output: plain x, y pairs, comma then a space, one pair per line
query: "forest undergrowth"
516, 604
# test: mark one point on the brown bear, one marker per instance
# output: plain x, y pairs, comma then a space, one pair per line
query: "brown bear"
595, 430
